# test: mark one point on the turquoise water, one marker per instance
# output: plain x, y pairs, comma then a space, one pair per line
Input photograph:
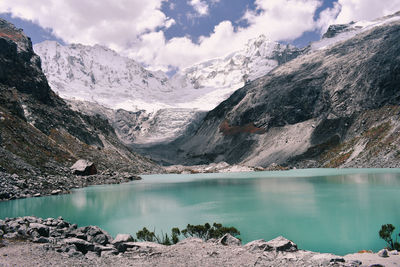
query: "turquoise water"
326, 210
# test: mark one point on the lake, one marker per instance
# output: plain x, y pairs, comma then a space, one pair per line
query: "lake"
325, 210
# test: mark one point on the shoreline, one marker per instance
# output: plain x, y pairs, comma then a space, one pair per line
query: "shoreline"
20, 187
34, 241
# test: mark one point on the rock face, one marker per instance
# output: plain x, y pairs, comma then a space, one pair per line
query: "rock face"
146, 109
84, 167
39, 132
336, 106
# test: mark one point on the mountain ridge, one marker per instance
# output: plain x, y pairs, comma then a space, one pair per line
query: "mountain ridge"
307, 106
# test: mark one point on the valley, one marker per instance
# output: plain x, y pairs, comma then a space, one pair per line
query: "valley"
280, 140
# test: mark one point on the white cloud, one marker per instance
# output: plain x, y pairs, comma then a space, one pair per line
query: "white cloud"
116, 23
345, 11
135, 27
201, 7
277, 19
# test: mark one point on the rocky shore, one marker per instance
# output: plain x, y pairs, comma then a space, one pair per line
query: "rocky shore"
220, 167
28, 241
14, 186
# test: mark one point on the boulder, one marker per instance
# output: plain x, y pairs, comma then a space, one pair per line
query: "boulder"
383, 253
42, 229
258, 245
394, 252
84, 167
282, 244
229, 240
81, 245
101, 239
120, 238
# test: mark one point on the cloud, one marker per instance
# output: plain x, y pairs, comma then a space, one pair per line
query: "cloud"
116, 23
345, 11
277, 19
136, 27
201, 7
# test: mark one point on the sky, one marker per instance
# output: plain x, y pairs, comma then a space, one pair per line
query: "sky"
169, 35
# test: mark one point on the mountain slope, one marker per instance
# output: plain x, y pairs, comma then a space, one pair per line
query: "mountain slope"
336, 106
39, 133
139, 103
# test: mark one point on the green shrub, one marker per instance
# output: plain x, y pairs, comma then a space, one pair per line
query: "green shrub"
386, 233
204, 232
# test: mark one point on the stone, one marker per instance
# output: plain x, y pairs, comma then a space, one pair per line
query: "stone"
81, 245
282, 244
42, 229
36, 195
258, 245
41, 240
56, 192
100, 239
336, 260
84, 167
354, 263
11, 235
122, 238
394, 252
383, 253
229, 240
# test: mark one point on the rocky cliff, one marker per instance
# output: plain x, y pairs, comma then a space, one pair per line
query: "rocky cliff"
337, 106
39, 133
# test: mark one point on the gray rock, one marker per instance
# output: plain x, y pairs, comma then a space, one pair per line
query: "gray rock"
383, 253
41, 240
42, 229
258, 245
92, 230
394, 252
83, 167
229, 240
81, 245
354, 263
100, 239
122, 238
336, 260
56, 192
282, 244
13, 235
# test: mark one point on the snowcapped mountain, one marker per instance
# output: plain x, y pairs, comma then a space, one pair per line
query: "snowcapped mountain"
342, 32
149, 107
98, 74
220, 77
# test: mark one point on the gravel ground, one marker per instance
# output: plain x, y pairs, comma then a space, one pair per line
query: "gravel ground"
190, 252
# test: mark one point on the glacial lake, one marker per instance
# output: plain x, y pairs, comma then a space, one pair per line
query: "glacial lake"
325, 210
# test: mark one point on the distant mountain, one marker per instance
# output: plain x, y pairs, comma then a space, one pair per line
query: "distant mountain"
39, 133
144, 102
222, 76
335, 106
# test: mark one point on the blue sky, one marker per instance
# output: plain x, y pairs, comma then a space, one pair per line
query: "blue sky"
171, 34
186, 25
